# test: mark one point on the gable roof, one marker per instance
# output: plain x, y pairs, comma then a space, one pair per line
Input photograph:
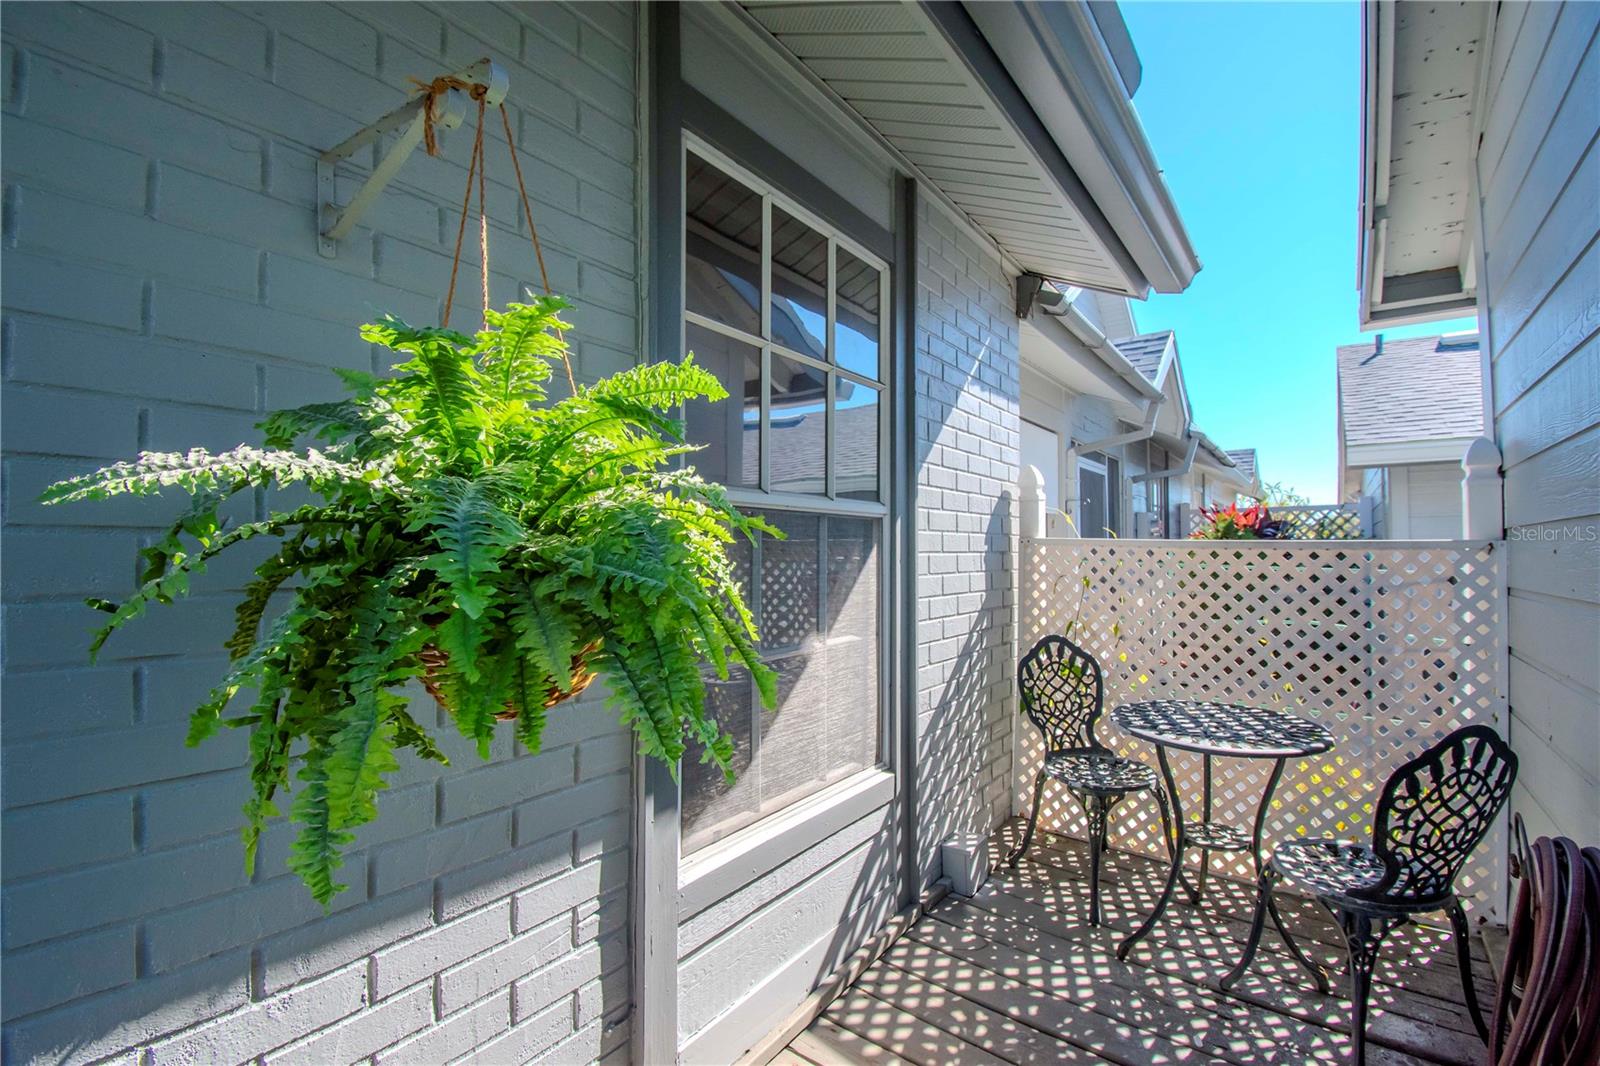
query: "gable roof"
1145, 351
1410, 390
1245, 460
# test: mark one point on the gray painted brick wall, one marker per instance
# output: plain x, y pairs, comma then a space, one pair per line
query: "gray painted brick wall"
163, 289
967, 442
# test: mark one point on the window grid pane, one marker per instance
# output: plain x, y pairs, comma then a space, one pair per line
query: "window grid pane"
817, 595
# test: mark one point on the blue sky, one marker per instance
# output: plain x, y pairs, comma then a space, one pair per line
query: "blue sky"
1254, 112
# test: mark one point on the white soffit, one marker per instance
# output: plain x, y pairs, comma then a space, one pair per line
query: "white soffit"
1422, 62
891, 64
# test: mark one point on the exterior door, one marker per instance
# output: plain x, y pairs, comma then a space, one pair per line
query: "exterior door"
1094, 500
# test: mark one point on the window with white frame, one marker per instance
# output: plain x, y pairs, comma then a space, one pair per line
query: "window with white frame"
789, 314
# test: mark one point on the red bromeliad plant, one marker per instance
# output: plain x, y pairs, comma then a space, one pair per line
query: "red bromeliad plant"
1230, 523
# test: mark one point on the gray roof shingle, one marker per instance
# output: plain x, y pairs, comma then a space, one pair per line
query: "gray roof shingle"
1144, 351
1411, 390
1245, 460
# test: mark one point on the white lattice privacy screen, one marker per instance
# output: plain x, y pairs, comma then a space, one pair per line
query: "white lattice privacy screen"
1390, 644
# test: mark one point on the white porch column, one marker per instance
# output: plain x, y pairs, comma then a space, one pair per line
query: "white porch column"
1030, 492
1482, 498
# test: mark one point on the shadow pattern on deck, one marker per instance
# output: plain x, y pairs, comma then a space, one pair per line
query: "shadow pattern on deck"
1015, 975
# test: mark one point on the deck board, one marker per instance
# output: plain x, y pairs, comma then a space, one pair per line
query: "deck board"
1014, 975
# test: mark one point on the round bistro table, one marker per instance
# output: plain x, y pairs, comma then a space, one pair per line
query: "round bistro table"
1211, 730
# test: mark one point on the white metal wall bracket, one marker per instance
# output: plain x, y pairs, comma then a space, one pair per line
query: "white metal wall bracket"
334, 223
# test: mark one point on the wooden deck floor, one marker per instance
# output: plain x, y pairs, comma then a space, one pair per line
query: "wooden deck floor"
1015, 976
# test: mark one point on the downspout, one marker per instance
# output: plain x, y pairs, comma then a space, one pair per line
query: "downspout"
1146, 430
1176, 471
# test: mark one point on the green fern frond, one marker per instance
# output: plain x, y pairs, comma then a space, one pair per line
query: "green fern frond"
360, 756
642, 705
663, 386
543, 629
601, 473
517, 346
472, 533
174, 569
409, 734
330, 422
270, 576
439, 388
474, 682
317, 851
199, 471
530, 696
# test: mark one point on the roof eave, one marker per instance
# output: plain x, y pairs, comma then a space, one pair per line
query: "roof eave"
1410, 298
1118, 379
1407, 452
1059, 59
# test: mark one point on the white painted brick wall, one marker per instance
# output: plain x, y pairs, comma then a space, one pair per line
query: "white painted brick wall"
967, 441
163, 289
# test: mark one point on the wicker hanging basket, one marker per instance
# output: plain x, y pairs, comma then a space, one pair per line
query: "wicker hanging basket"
435, 661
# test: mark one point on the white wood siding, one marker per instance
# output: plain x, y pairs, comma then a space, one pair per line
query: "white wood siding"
1540, 178
1426, 502
1375, 483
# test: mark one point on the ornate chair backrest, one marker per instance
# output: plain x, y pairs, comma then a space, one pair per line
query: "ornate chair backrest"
1435, 809
1062, 693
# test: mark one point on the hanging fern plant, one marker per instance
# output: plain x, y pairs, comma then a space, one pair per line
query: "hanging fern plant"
498, 549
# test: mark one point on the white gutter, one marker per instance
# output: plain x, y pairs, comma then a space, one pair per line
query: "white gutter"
1097, 342
1059, 59
1176, 471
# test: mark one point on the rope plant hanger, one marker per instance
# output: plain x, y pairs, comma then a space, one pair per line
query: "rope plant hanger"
476, 169
433, 657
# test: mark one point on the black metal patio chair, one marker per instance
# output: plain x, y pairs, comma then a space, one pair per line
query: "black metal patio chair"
1063, 695
1432, 813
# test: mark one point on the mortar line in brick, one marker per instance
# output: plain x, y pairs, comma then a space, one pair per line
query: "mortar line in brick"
9, 205
152, 189
19, 81
138, 822
141, 951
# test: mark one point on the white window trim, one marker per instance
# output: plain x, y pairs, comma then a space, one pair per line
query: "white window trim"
727, 864
720, 869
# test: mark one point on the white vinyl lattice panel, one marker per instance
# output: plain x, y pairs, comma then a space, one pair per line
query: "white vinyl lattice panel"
1391, 645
